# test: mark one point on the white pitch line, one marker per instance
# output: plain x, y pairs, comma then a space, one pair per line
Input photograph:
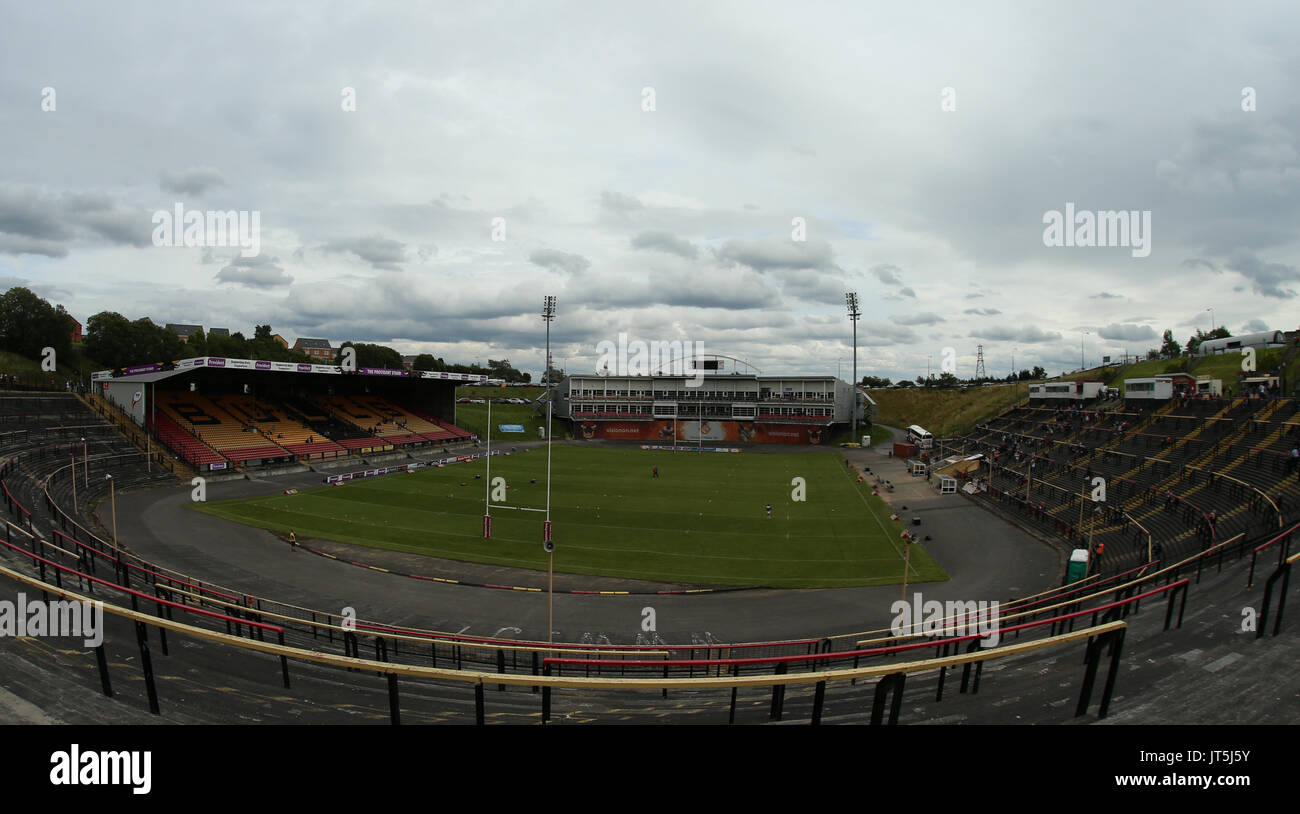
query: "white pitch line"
854, 486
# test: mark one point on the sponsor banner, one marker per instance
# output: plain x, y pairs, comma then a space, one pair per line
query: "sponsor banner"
382, 371
663, 448
452, 377
690, 431
216, 362
217, 466
411, 467
510, 427
262, 365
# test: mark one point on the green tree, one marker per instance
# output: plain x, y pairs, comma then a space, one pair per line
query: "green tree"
1170, 348
426, 361
29, 324
370, 355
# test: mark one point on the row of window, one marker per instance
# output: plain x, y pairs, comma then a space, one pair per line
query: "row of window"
688, 395
692, 410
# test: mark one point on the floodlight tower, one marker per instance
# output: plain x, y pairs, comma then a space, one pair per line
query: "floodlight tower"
851, 300
980, 375
548, 315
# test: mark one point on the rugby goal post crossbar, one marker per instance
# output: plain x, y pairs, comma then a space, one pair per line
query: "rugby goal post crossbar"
514, 508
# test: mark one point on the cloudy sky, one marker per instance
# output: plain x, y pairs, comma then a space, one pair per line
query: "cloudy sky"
648, 163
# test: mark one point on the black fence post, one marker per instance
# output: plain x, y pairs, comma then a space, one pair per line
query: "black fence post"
778, 694
394, 713
146, 663
102, 661
819, 700
284, 661
478, 703
546, 695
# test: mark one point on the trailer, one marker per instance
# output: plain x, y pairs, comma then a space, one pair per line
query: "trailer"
1211, 388
1067, 391
1153, 388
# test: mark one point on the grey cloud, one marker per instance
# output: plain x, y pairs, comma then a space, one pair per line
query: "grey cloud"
1029, 334
982, 312
380, 252
665, 242
887, 274
28, 213
193, 181
776, 253
254, 272
927, 318
21, 244
1128, 332
619, 203
1267, 279
1255, 326
559, 261
1106, 295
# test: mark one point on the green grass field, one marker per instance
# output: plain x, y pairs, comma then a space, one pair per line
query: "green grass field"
701, 522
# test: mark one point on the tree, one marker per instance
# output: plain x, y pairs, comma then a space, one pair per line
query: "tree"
369, 355
116, 342
875, 381
29, 324
1170, 348
197, 344
1038, 373
426, 361
1194, 343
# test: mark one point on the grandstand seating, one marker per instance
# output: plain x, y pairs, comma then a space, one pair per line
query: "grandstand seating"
188, 447
276, 424
391, 422
1179, 475
203, 417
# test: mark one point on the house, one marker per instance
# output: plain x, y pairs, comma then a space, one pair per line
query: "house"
408, 362
317, 349
183, 331
74, 329
219, 332
284, 343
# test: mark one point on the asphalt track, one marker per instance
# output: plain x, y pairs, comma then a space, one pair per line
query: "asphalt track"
985, 558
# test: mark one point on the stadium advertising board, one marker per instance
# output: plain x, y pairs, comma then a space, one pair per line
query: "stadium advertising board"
510, 427
690, 431
388, 470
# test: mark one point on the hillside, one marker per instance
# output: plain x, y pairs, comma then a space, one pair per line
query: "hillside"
945, 412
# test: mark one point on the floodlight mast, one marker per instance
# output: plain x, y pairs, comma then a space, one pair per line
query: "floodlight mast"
851, 299
548, 314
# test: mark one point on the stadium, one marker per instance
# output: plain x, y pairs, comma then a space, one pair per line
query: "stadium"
169, 492
547, 367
